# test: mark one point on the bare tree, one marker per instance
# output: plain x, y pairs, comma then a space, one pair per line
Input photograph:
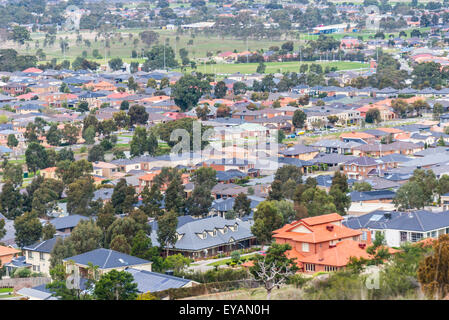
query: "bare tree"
272, 275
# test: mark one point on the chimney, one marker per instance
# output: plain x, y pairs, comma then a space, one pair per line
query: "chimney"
169, 272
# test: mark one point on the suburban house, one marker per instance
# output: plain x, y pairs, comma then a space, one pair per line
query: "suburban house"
401, 227
38, 255
199, 238
300, 151
362, 167
7, 254
106, 260
322, 243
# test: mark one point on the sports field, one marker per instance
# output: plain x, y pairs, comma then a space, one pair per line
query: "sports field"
272, 67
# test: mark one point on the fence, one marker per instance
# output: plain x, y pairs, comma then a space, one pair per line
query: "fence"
206, 288
24, 282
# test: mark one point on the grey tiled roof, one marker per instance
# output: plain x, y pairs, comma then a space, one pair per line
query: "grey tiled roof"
153, 282
44, 246
67, 222
107, 259
192, 242
419, 221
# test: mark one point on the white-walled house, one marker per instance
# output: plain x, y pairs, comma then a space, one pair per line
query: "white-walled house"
401, 227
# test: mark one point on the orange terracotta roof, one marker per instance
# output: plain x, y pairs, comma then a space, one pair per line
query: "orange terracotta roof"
4, 251
50, 169
390, 130
32, 70
155, 99
319, 233
360, 135
149, 176
339, 255
325, 218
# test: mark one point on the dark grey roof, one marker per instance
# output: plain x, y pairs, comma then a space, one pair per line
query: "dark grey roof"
363, 161
67, 222
44, 246
192, 242
297, 149
419, 221
153, 282
372, 195
107, 259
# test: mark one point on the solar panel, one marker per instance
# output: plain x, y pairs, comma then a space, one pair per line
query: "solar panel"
375, 217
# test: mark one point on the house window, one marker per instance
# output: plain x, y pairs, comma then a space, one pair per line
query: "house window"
364, 235
30, 255
41, 255
305, 247
415, 236
434, 234
403, 236
204, 235
309, 267
330, 268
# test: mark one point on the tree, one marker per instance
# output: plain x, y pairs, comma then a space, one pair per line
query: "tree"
120, 244
188, 90
361, 186
261, 67
10, 200
28, 229
142, 142
202, 112
36, 157
83, 106
96, 153
287, 211
54, 135
69, 170
70, 133
317, 202
14, 173
166, 230
89, 135
141, 245
338, 191
12, 141
116, 285
239, 88
48, 231
137, 115
299, 118
115, 64
266, 219
20, 35
373, 116
274, 268
151, 201
2, 229
123, 197
432, 272
410, 196
242, 205
160, 57
148, 37
220, 90
176, 262
79, 194
86, 236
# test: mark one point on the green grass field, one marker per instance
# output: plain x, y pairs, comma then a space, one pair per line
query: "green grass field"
272, 67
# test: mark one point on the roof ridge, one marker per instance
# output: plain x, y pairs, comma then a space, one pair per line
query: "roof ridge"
107, 258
